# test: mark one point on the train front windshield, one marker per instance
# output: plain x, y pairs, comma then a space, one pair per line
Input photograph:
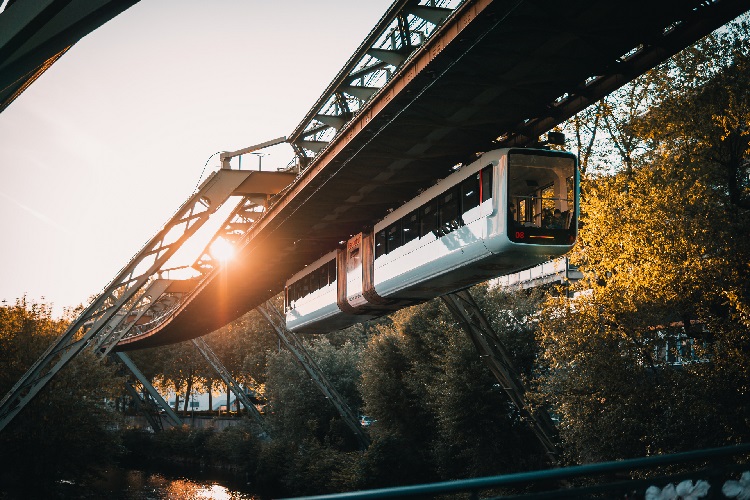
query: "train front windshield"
542, 192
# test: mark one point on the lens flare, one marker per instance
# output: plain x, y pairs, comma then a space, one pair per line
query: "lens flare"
221, 250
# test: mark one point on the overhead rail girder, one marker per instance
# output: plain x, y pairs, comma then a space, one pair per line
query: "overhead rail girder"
112, 334
434, 15
488, 66
386, 48
274, 317
98, 323
34, 35
492, 351
653, 49
256, 190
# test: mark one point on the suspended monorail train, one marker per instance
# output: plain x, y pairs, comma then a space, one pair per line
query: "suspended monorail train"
509, 210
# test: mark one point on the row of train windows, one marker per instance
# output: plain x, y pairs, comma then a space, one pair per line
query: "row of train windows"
322, 276
441, 215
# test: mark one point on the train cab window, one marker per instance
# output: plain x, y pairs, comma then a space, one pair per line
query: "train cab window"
541, 189
428, 218
487, 183
393, 237
410, 226
470, 193
449, 210
380, 243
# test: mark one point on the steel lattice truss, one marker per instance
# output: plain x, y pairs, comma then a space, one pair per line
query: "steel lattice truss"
398, 35
140, 299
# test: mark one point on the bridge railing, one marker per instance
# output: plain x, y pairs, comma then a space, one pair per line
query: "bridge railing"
710, 473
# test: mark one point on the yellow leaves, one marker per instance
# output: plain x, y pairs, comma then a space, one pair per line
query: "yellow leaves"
740, 306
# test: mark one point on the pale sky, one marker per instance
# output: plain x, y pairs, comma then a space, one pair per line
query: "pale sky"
102, 149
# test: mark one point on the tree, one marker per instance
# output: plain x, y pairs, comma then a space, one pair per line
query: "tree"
665, 271
436, 402
298, 409
67, 430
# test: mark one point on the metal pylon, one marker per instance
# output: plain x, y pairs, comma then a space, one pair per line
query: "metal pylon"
467, 312
308, 363
100, 320
219, 367
156, 398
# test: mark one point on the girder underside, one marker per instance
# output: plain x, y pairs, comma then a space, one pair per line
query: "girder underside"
505, 69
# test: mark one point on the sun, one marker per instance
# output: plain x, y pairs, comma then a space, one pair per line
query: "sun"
221, 250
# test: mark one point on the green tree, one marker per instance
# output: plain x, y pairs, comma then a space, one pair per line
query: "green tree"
298, 410
67, 431
439, 412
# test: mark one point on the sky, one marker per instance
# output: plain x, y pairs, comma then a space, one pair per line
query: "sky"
102, 149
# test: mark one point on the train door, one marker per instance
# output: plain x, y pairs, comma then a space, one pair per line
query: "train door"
353, 274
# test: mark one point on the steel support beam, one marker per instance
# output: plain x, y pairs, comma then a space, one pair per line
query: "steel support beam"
491, 350
155, 396
98, 319
308, 363
219, 368
143, 407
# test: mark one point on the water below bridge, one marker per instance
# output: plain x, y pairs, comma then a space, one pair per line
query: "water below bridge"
150, 484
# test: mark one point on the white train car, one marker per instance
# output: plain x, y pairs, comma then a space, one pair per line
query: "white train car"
509, 210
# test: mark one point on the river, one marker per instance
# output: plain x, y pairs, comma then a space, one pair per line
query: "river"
132, 484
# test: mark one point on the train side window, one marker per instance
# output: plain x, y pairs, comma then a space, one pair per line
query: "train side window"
428, 218
470, 193
305, 286
411, 226
487, 183
332, 271
380, 243
393, 237
314, 281
449, 211
322, 276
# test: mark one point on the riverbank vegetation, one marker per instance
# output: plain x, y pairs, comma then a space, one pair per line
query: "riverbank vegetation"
649, 353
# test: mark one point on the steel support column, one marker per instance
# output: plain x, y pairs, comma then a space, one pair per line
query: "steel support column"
155, 396
99, 319
308, 363
477, 327
219, 368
